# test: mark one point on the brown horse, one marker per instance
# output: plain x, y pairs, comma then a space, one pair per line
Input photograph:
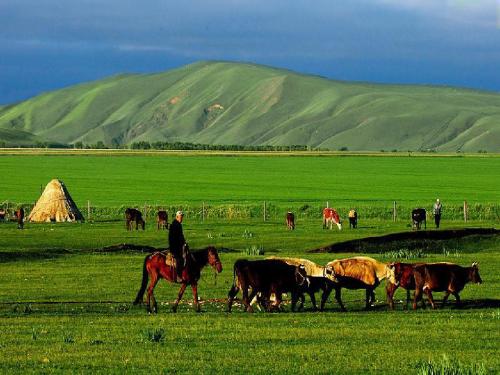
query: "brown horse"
156, 267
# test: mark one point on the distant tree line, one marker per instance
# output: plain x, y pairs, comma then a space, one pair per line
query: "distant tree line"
143, 145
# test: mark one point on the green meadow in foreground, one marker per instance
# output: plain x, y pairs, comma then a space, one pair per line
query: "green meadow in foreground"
66, 301
66, 306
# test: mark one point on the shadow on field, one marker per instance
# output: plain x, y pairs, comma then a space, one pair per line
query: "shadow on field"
19, 256
431, 240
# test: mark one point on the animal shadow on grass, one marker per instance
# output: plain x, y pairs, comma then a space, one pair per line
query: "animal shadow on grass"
485, 303
17, 256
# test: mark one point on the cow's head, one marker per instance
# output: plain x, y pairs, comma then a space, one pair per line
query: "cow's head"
474, 274
301, 277
391, 273
329, 273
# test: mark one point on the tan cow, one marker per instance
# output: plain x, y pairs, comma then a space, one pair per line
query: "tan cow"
359, 273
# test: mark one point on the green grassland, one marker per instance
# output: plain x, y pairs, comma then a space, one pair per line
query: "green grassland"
246, 104
65, 305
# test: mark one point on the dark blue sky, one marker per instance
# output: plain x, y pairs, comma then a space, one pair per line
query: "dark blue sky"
49, 44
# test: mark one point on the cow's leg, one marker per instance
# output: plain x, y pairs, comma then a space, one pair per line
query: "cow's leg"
390, 290
313, 300
407, 298
179, 296
246, 300
417, 297
324, 297
457, 298
338, 297
230, 296
445, 297
428, 291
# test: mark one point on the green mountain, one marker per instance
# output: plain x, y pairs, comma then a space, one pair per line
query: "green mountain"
235, 103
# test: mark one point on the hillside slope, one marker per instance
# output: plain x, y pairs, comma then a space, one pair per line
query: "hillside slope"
234, 103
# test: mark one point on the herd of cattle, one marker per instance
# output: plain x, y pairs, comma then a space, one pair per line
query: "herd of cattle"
264, 281
330, 217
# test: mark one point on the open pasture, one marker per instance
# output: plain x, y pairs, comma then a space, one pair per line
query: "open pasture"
65, 305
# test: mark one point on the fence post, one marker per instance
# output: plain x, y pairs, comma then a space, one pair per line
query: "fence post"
394, 212
327, 204
466, 208
264, 210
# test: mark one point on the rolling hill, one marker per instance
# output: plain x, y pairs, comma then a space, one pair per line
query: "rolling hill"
245, 104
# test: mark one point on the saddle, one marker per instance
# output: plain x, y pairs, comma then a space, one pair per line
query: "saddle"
170, 262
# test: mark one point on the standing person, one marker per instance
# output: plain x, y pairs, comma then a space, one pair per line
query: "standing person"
437, 212
353, 219
20, 217
177, 242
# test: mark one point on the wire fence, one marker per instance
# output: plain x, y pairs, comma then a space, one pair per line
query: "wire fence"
269, 210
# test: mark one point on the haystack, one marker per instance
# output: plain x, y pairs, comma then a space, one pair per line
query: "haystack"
55, 204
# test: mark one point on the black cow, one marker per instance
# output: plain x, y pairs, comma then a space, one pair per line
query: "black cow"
443, 277
418, 215
266, 277
131, 214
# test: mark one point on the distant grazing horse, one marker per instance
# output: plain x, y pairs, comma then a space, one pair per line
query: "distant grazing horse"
330, 216
353, 219
162, 220
290, 220
418, 215
358, 273
131, 214
19, 214
161, 265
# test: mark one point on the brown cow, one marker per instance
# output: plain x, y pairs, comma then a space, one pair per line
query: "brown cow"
443, 277
266, 277
131, 214
330, 217
290, 220
162, 220
19, 214
358, 273
403, 274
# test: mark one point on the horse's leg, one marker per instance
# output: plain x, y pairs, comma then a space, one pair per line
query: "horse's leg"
179, 296
152, 284
194, 288
417, 296
457, 298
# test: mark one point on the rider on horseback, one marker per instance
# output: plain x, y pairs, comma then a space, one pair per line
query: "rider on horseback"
177, 243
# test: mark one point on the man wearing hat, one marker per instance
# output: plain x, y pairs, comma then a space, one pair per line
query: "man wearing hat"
437, 212
177, 242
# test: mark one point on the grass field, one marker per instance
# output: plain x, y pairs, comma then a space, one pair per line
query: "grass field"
65, 306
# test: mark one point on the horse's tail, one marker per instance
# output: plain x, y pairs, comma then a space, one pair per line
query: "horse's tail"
144, 284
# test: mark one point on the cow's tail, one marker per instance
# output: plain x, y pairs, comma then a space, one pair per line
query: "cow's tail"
144, 284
